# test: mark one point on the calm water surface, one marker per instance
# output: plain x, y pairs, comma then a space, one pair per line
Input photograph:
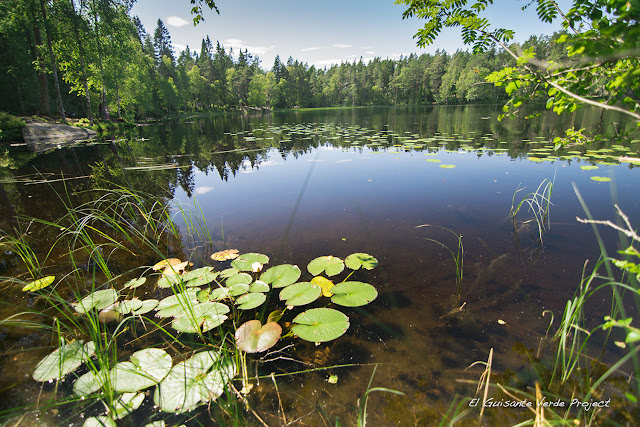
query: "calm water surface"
300, 185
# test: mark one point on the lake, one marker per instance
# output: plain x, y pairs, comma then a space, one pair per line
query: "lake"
397, 183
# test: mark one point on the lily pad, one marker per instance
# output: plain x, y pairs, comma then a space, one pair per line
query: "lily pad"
39, 284
300, 293
168, 279
89, 383
101, 421
588, 167
199, 277
228, 272
176, 305
63, 360
259, 286
166, 263
353, 294
126, 403
447, 166
218, 293
129, 305
245, 261
281, 275
329, 264
320, 324
239, 279
325, 284
357, 260
204, 317
225, 255
252, 300
238, 289
193, 382
252, 337
147, 306
601, 178
134, 283
98, 300
146, 368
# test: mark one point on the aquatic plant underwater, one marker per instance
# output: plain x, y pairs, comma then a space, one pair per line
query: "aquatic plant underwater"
116, 348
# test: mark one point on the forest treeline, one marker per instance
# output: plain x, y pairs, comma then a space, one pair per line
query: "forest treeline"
91, 58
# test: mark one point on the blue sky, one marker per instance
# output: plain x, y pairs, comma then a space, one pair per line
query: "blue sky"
320, 32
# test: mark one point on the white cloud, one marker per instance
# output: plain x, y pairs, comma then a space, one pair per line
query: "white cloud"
238, 44
179, 47
370, 52
340, 45
176, 21
203, 190
309, 49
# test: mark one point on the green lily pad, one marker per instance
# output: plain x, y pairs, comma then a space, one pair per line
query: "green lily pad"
281, 275
204, 317
98, 300
147, 306
433, 160
146, 368
252, 300
226, 273
588, 167
320, 324
601, 178
447, 166
169, 279
102, 421
194, 382
199, 277
329, 264
218, 293
239, 279
126, 403
357, 260
239, 289
259, 286
128, 305
176, 305
89, 383
353, 294
39, 284
245, 262
134, 283
300, 293
325, 284
252, 337
63, 360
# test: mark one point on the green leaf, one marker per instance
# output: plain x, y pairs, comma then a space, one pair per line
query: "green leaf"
353, 294
325, 284
177, 305
239, 289
300, 293
194, 382
281, 275
252, 300
102, 421
129, 305
259, 286
36, 285
329, 264
601, 178
245, 261
146, 368
357, 260
63, 360
588, 167
98, 300
239, 279
204, 317
126, 403
147, 306
134, 283
252, 337
320, 324
447, 166
632, 336
199, 277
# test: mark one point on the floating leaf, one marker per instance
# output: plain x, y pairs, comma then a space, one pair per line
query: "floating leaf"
275, 316
203, 317
357, 260
333, 379
329, 264
353, 294
147, 306
433, 160
166, 263
281, 275
320, 324
325, 284
588, 167
199, 277
110, 314
601, 178
129, 305
239, 289
193, 382
36, 285
252, 300
146, 368
176, 305
259, 286
226, 273
98, 300
102, 421
225, 255
239, 279
218, 293
168, 279
134, 283
245, 261
64, 360
126, 403
447, 166
252, 337
89, 383
300, 293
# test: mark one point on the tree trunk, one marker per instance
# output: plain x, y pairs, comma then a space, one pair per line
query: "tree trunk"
103, 94
43, 83
53, 61
84, 68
